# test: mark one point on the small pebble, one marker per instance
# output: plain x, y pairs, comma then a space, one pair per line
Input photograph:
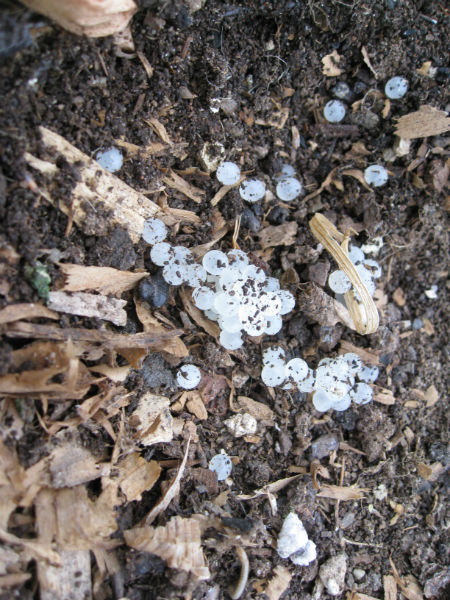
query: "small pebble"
332, 574
241, 424
359, 574
342, 91
110, 159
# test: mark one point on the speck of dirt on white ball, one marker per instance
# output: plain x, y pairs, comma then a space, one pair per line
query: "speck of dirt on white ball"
288, 189
188, 377
110, 159
252, 190
334, 111
228, 173
396, 87
154, 231
376, 175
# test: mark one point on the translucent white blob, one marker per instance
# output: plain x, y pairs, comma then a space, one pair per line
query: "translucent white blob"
368, 374
273, 375
228, 173
230, 324
154, 231
215, 262
254, 272
238, 258
356, 255
292, 537
110, 159
174, 274
307, 385
161, 253
181, 253
325, 378
271, 284
287, 301
321, 401
305, 556
273, 354
226, 305
288, 189
373, 267
334, 111
195, 275
269, 303
230, 341
342, 404
286, 171
339, 282
211, 314
228, 278
396, 87
252, 190
376, 175
221, 465
354, 362
203, 297
273, 325
297, 368
188, 377
361, 393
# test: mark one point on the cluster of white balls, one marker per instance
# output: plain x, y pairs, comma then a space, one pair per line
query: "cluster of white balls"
227, 287
288, 187
334, 383
367, 268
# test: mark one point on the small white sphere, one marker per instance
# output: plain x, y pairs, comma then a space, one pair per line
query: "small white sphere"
228, 173
342, 403
161, 253
203, 297
353, 361
334, 111
368, 374
211, 314
307, 385
270, 303
110, 159
174, 274
297, 368
195, 275
226, 305
273, 354
188, 377
322, 401
339, 282
252, 190
181, 253
273, 325
361, 393
288, 189
396, 87
154, 231
271, 284
230, 341
286, 171
255, 273
376, 175
237, 258
287, 301
356, 255
221, 465
273, 375
215, 262
230, 324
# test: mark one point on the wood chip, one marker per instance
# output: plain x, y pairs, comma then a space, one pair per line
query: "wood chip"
278, 235
146, 64
262, 413
366, 59
197, 315
178, 543
159, 129
425, 122
321, 307
399, 297
73, 574
196, 406
331, 64
104, 280
383, 395
339, 492
390, 588
430, 472
367, 357
17, 312
178, 183
99, 199
152, 420
431, 396
89, 305
279, 583
71, 465
137, 476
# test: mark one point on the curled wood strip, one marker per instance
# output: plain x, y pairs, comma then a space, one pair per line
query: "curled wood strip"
364, 313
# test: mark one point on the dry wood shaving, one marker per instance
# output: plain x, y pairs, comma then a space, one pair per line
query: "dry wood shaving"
425, 122
178, 183
339, 492
152, 420
136, 475
278, 235
17, 312
89, 305
331, 66
104, 280
279, 583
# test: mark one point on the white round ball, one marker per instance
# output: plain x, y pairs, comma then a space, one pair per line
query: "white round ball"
161, 253
396, 87
321, 401
154, 231
252, 190
334, 111
339, 282
230, 341
288, 189
273, 375
215, 262
188, 377
376, 175
221, 465
228, 173
203, 297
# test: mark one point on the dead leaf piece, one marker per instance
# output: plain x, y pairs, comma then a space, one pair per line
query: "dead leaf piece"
152, 420
338, 492
35, 548
366, 59
439, 171
196, 407
321, 307
178, 183
17, 312
425, 122
174, 346
89, 305
197, 315
146, 64
430, 472
159, 129
99, 199
330, 64
357, 174
178, 543
136, 476
104, 280
72, 465
279, 583
278, 235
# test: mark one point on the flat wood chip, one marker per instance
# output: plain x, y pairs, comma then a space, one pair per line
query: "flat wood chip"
104, 280
331, 64
279, 583
425, 122
152, 420
137, 476
278, 235
89, 305
178, 183
339, 492
17, 312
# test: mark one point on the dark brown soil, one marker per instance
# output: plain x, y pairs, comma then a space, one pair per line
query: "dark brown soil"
256, 52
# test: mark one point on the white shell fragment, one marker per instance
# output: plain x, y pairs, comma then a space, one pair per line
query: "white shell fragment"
293, 542
154, 231
334, 111
228, 173
110, 159
376, 175
221, 465
252, 190
241, 424
396, 87
188, 377
288, 188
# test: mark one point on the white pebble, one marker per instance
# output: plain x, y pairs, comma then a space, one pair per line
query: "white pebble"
334, 111
252, 190
292, 536
188, 377
228, 173
110, 159
396, 87
241, 424
221, 465
332, 574
376, 175
305, 556
288, 189
339, 282
215, 262
154, 231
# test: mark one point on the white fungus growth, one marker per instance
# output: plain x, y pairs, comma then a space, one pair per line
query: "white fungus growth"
110, 159
221, 465
376, 175
396, 88
334, 111
288, 188
154, 231
339, 282
188, 377
228, 173
252, 190
293, 542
